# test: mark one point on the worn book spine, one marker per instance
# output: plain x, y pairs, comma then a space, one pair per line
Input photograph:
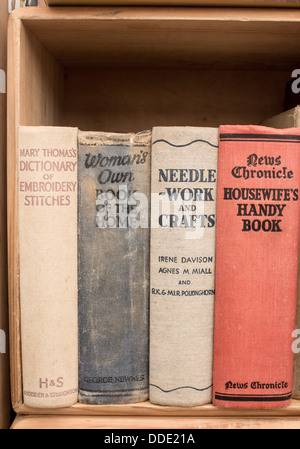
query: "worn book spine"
256, 266
182, 267
114, 188
47, 186
290, 119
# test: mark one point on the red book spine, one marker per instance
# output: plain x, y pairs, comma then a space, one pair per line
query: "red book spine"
256, 266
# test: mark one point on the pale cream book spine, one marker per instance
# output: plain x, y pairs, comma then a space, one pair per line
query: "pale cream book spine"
182, 264
290, 119
47, 186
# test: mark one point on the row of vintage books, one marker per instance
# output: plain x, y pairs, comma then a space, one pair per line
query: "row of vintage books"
160, 265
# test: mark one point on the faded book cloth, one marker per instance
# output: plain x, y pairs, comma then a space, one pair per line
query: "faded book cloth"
290, 119
183, 217
114, 187
257, 263
47, 200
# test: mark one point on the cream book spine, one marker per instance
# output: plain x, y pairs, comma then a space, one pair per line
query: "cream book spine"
290, 119
182, 264
47, 186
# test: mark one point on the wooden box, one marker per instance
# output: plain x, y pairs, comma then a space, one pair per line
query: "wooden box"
128, 69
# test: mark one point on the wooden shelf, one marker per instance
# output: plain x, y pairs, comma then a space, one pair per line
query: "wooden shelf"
147, 409
150, 416
141, 422
126, 69
5, 410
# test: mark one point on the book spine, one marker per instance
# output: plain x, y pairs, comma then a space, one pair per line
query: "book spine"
256, 266
182, 264
114, 181
289, 119
296, 347
47, 186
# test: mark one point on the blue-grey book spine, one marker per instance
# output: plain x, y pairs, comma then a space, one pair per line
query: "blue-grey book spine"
113, 267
